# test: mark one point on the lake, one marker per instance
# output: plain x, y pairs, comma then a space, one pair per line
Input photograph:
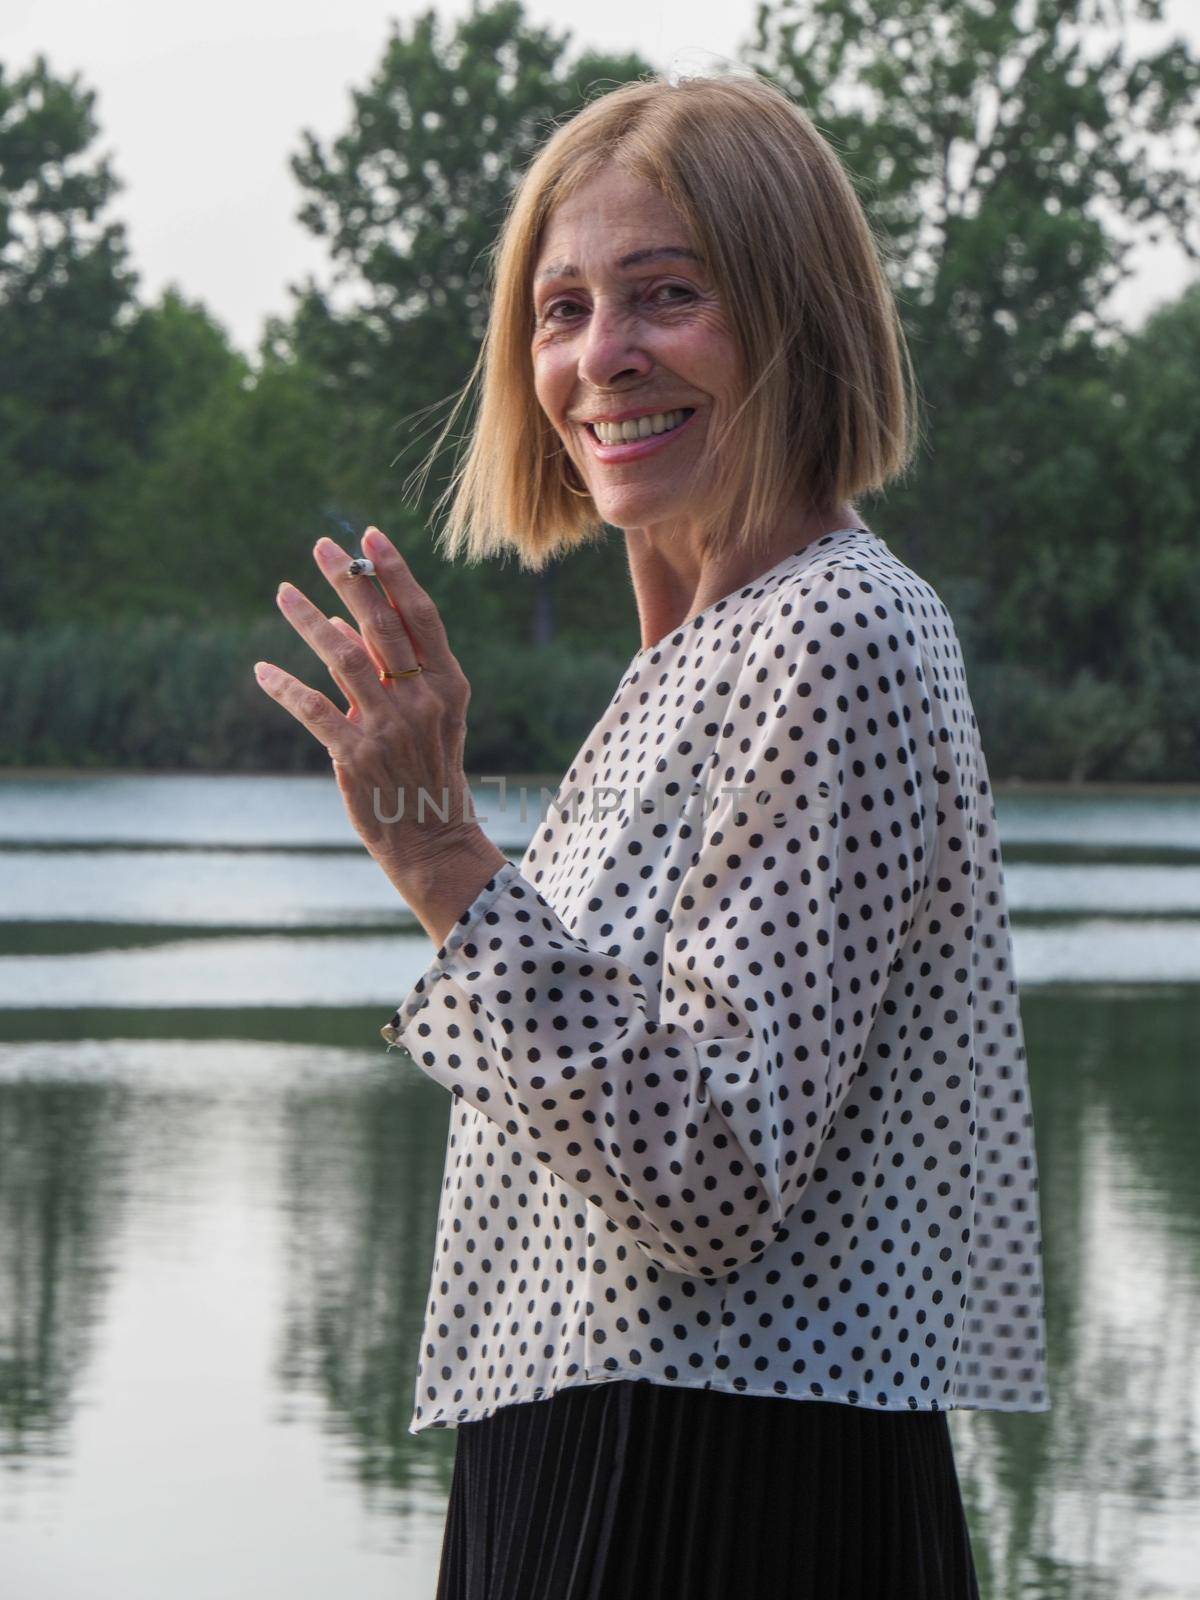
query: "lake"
218, 1193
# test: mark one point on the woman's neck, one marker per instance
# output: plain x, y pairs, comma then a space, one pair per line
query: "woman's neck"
673, 582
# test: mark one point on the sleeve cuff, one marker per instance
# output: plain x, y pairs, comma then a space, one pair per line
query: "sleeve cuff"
393, 1031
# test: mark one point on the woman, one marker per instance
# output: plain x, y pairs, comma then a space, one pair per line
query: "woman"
741, 1190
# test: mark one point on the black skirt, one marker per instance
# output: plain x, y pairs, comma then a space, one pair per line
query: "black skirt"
630, 1490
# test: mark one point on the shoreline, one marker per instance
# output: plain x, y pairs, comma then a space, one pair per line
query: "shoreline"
551, 781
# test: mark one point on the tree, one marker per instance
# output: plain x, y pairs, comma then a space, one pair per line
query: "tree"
65, 292
994, 147
223, 496
1155, 472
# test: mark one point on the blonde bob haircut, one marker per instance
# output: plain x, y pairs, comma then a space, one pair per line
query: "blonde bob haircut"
792, 257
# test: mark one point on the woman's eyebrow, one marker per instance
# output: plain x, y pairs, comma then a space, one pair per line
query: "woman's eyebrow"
635, 258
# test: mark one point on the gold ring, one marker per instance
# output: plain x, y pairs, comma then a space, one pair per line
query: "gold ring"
411, 673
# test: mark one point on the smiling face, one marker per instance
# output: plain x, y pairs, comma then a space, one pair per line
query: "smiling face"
629, 337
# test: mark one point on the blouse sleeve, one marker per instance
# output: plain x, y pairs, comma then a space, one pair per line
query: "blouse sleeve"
691, 1110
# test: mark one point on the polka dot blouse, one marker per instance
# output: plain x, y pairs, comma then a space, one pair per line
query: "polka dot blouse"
740, 1093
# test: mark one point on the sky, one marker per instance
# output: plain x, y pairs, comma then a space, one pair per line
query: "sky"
201, 105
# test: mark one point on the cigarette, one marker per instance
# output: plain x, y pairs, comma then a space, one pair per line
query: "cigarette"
361, 566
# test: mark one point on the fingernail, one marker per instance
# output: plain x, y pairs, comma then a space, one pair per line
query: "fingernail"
288, 596
374, 539
263, 670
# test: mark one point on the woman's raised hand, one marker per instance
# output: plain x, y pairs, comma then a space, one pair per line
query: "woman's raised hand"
399, 735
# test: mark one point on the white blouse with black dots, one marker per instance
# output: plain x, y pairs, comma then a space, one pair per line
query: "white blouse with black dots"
739, 1073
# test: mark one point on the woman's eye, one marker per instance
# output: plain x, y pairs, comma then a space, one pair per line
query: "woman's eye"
552, 311
549, 313
678, 288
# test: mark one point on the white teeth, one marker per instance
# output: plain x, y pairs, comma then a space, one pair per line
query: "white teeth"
638, 428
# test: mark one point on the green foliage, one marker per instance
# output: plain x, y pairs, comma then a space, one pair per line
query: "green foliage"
984, 140
531, 705
982, 137
1156, 396
228, 500
170, 691
64, 288
156, 484
994, 146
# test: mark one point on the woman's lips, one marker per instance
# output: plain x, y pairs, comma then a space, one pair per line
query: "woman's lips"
637, 447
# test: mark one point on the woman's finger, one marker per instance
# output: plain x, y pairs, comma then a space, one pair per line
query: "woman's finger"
309, 706
358, 642
420, 615
349, 632
381, 622
350, 665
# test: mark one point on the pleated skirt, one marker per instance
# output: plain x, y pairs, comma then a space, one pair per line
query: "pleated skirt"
630, 1490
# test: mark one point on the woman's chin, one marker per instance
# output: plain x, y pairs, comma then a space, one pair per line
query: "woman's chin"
637, 507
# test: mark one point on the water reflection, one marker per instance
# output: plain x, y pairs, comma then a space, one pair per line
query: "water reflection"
226, 1246
218, 1197
1100, 1496
361, 1175
64, 1156
191, 1408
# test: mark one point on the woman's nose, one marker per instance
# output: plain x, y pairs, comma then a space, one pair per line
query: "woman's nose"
610, 347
